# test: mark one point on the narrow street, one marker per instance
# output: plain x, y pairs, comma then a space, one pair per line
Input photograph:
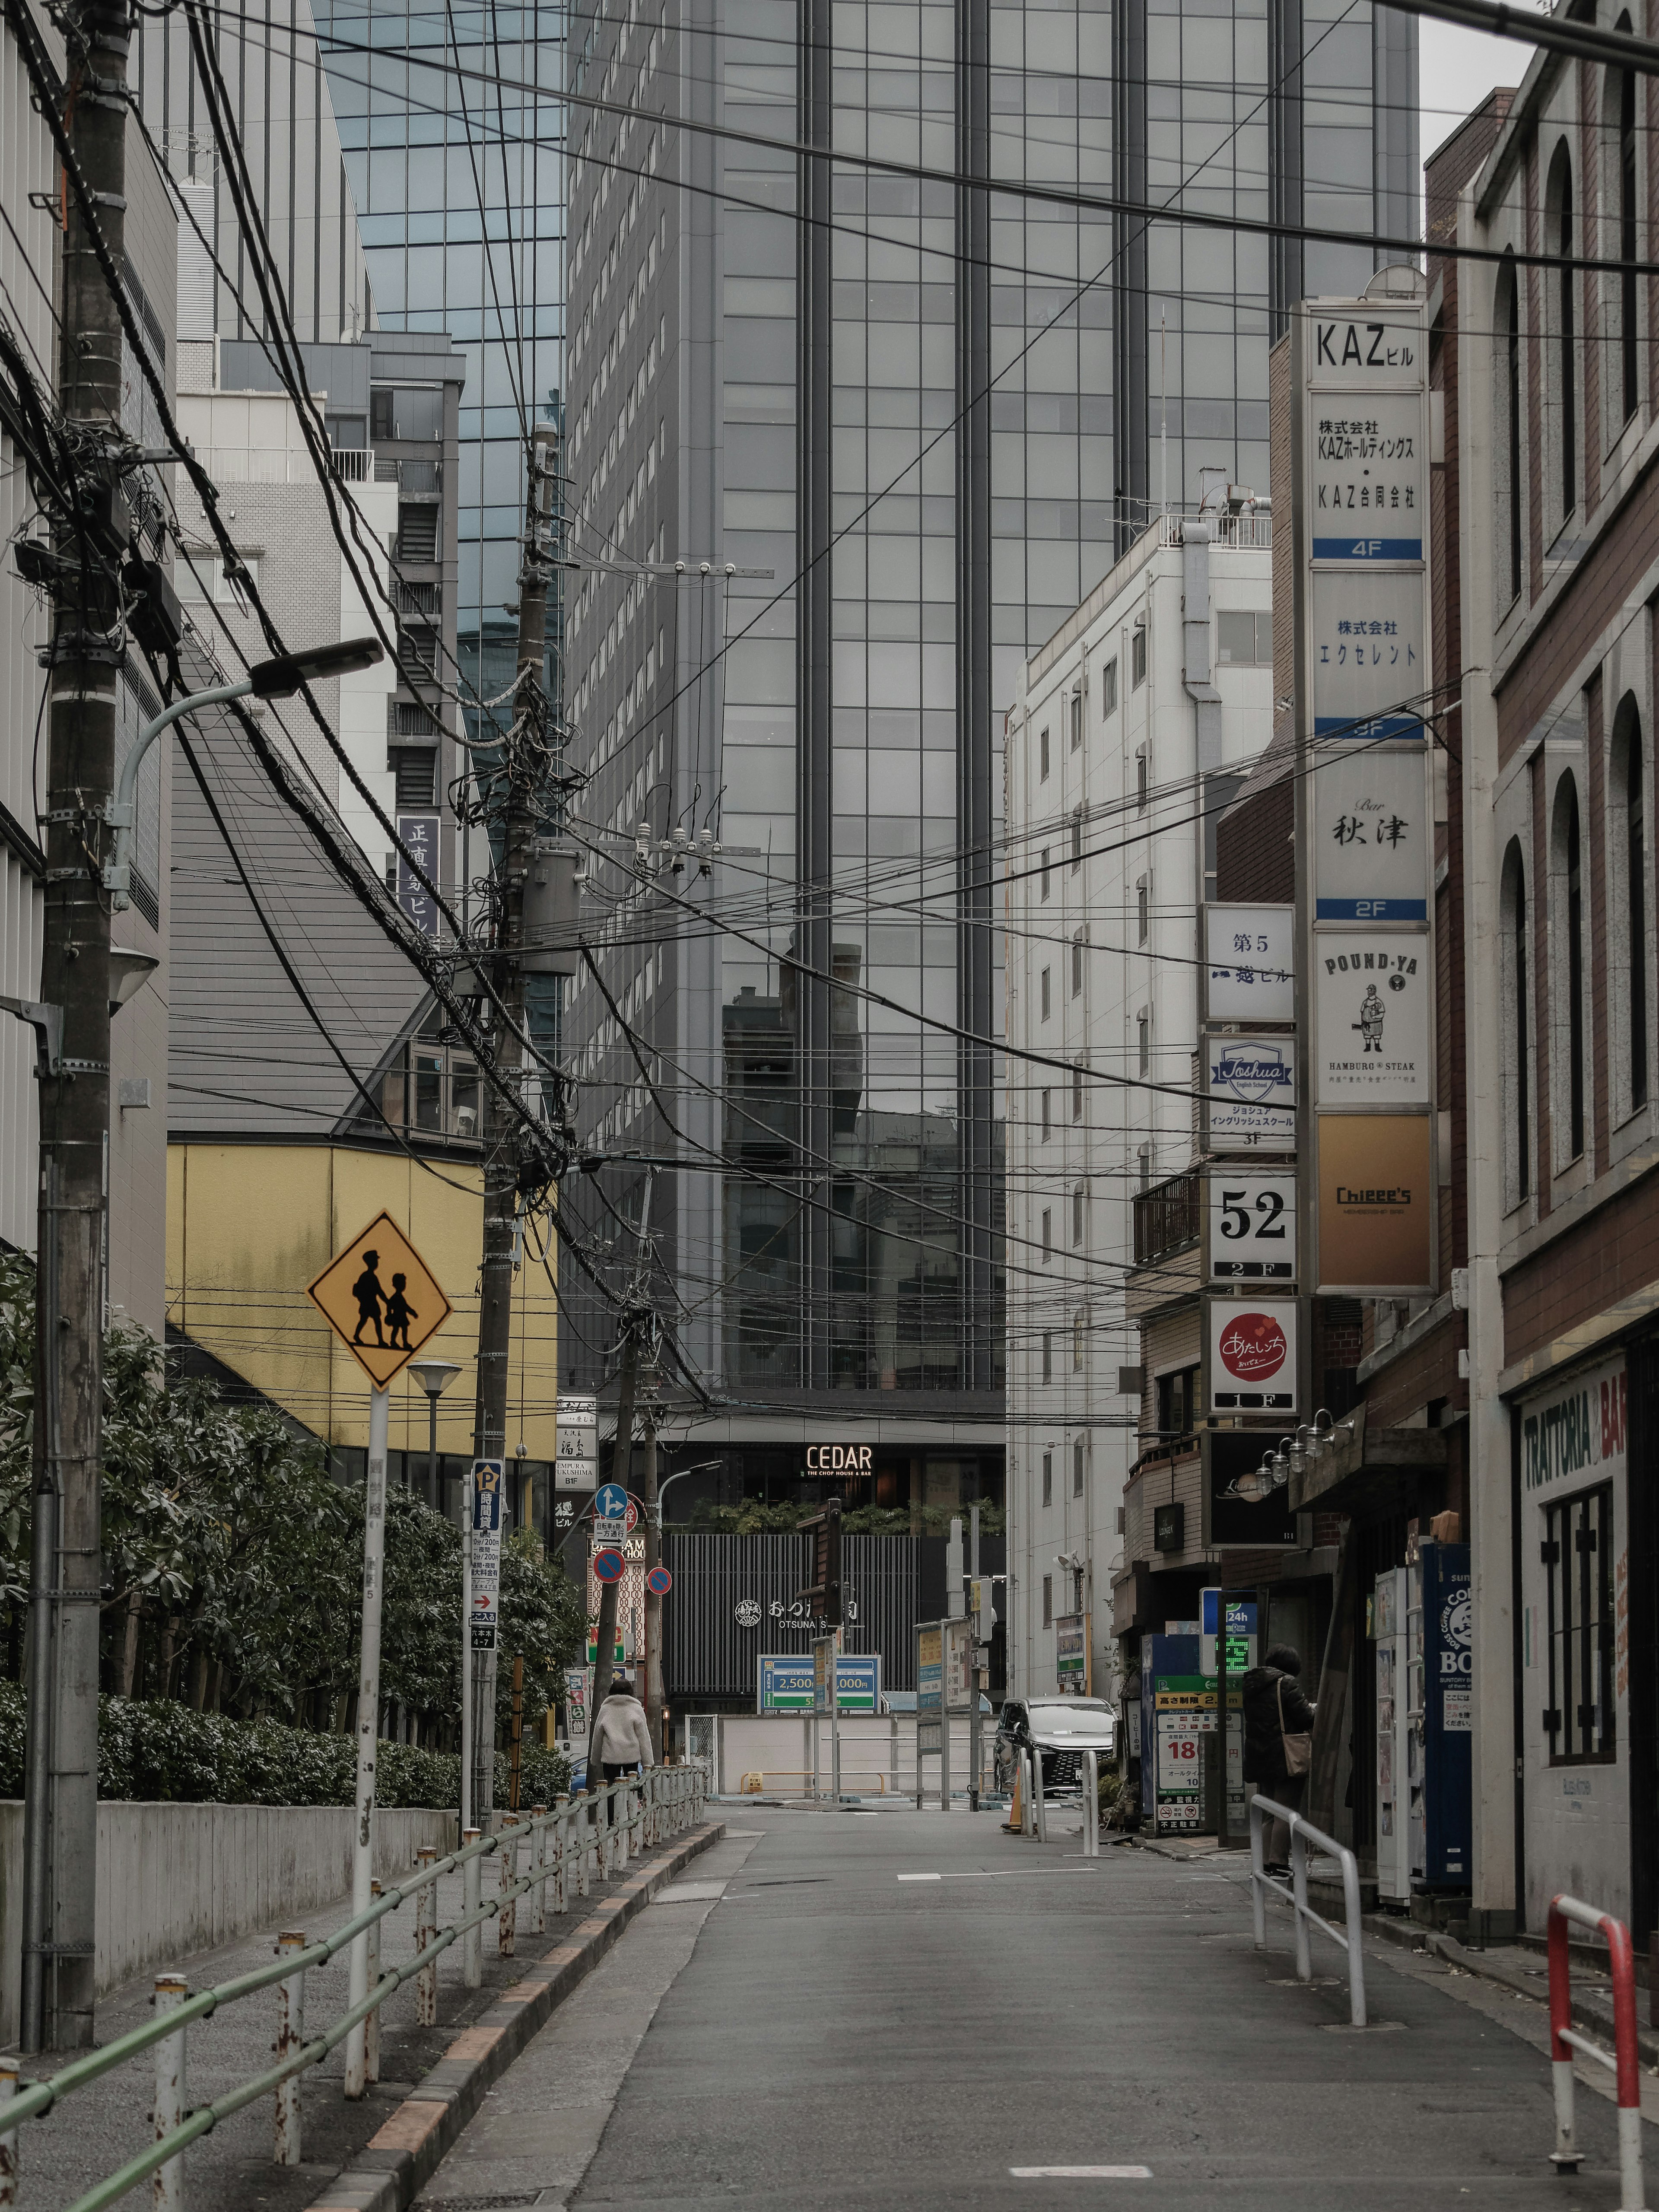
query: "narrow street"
832, 2007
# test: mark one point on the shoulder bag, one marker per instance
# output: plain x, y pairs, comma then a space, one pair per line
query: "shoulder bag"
1298, 1749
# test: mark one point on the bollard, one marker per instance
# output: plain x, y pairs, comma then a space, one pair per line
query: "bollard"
166, 2183
506, 1920
290, 2038
584, 1823
8, 2139
562, 1847
1090, 1805
472, 1967
426, 1927
539, 1864
621, 1818
372, 2025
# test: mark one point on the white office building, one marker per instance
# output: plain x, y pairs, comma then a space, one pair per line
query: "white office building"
1132, 726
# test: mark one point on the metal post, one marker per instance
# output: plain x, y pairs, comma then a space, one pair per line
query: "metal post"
538, 1861
506, 1920
976, 1752
583, 1840
561, 1874
426, 1927
1039, 1803
654, 1698
944, 1743
372, 2025
1258, 1872
467, 1486
1090, 1805
368, 1729
8, 2138
290, 2038
1299, 1891
166, 2183
473, 1942
835, 1721
432, 1450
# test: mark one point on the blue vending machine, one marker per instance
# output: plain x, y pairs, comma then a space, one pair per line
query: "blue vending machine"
1440, 1689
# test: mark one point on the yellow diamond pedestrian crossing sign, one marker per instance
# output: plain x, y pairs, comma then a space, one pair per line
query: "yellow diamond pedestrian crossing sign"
381, 1299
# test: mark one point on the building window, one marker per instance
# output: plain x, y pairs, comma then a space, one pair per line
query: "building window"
1048, 1478
1046, 993
1079, 1202
413, 772
1138, 656
1077, 965
1048, 1601
1517, 955
1043, 758
1635, 874
1046, 1097
1048, 1234
1143, 898
1077, 1094
1178, 1402
1109, 688
1564, 409
1047, 1356
1578, 1560
1076, 711
1143, 1034
1142, 775
1077, 841
1077, 1467
1244, 639
1625, 82
1043, 874
1508, 394
1567, 971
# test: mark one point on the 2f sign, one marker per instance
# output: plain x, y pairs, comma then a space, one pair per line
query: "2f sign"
1252, 1227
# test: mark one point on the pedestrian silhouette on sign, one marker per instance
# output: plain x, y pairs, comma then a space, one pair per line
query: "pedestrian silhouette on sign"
370, 1298
398, 1314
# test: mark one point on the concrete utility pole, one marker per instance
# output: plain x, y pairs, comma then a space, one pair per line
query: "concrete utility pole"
524, 805
622, 1455
653, 1669
61, 1823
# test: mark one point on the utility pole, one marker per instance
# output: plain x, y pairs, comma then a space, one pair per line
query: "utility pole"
637, 1320
653, 1669
61, 1820
518, 782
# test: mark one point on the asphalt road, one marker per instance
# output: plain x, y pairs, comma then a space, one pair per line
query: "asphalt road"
805, 2022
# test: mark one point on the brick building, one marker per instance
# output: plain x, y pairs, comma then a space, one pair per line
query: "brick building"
1557, 457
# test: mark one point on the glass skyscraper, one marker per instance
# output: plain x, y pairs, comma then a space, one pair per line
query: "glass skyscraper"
894, 426
450, 121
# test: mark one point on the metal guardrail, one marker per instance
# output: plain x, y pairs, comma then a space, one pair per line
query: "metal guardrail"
1623, 2061
593, 1833
1302, 1833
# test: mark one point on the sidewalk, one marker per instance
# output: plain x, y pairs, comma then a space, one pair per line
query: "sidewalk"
64, 2154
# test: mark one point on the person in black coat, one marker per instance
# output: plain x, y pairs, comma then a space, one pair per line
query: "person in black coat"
1275, 1707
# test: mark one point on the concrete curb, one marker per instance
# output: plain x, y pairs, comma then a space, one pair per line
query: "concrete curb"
403, 2156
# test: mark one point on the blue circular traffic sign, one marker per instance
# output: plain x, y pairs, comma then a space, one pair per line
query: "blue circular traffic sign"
659, 1582
609, 1566
611, 1502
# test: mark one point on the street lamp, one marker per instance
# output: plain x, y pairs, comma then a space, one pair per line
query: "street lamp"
435, 1376
267, 679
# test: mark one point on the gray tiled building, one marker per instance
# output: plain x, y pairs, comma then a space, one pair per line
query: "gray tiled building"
930, 412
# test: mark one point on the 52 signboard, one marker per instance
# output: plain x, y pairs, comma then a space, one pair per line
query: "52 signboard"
1251, 1235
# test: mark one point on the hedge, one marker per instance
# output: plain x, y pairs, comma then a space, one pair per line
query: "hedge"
157, 1750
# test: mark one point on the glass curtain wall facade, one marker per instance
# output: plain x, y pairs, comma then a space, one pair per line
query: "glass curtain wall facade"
451, 123
907, 425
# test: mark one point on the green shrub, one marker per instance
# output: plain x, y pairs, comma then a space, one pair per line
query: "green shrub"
157, 1750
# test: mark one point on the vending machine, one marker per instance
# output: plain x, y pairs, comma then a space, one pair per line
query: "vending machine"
1394, 1874
1440, 1661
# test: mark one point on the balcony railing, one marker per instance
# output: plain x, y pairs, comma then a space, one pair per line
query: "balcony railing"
1167, 1218
355, 463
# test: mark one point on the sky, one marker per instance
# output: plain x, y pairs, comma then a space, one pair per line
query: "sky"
1456, 68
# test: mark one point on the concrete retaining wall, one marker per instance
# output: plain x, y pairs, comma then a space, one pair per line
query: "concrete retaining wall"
175, 1879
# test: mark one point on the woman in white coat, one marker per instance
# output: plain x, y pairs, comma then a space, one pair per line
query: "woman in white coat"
621, 1743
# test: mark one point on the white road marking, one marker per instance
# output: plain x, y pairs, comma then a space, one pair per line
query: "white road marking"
995, 1874
921, 1877
1081, 2172
689, 1893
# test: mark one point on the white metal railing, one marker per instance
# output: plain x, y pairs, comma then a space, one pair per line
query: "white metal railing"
593, 1835
1302, 1833
355, 463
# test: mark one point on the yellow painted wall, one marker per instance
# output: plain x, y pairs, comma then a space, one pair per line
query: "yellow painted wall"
250, 1225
